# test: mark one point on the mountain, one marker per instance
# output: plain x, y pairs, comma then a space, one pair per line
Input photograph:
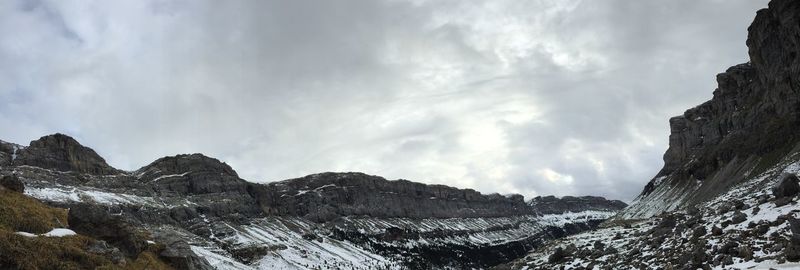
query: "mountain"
204, 216
747, 128
727, 195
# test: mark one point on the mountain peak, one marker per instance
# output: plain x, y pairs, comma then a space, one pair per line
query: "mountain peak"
184, 163
63, 153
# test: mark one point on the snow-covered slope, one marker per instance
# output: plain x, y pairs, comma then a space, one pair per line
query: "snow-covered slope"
748, 227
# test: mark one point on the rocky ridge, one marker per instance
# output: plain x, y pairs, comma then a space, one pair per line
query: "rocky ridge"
62, 153
199, 208
326, 196
553, 205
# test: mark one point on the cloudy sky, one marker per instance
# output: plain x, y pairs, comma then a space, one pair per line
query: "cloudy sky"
536, 97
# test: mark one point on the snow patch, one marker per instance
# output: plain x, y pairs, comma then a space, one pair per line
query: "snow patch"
57, 232
170, 176
64, 194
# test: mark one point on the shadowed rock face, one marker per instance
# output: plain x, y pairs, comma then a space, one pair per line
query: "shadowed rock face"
748, 125
62, 153
329, 195
6, 153
212, 185
191, 174
553, 205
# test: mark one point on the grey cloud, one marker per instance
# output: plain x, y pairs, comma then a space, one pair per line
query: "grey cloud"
535, 97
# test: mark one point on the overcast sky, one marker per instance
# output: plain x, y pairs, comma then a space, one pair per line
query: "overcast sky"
513, 96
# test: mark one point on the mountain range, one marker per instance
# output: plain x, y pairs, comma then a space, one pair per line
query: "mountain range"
210, 218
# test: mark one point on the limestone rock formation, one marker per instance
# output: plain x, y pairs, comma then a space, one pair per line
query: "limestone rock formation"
748, 126
12, 183
553, 205
213, 186
63, 153
97, 222
327, 196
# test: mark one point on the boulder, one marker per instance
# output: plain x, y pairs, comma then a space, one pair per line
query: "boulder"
104, 249
95, 221
179, 254
738, 217
787, 187
559, 255
13, 183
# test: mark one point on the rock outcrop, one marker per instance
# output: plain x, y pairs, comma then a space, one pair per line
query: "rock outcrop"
191, 174
214, 187
179, 254
12, 183
97, 222
787, 187
63, 153
748, 126
7, 153
553, 205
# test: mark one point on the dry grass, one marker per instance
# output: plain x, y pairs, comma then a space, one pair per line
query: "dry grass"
22, 213
31, 253
19, 252
147, 260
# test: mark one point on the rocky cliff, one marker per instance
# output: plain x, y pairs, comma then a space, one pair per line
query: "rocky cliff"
747, 127
553, 205
61, 153
326, 196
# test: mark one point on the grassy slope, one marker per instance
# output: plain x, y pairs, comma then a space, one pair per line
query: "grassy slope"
22, 213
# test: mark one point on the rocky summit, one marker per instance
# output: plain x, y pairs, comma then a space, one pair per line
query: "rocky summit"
195, 212
62, 153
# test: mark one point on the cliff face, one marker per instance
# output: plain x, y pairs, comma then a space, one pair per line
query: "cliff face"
62, 153
553, 205
747, 127
325, 196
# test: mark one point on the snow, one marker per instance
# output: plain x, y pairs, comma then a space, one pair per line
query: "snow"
57, 232
14, 154
748, 192
65, 194
283, 236
768, 264
26, 234
657, 181
289, 250
218, 261
663, 198
170, 176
